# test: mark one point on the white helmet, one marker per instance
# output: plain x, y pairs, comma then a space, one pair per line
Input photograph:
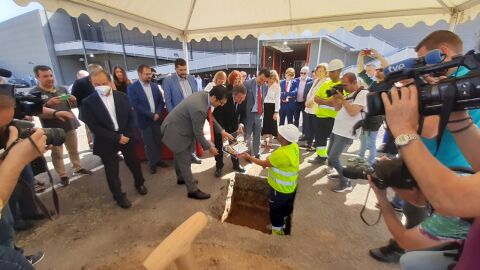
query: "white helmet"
290, 132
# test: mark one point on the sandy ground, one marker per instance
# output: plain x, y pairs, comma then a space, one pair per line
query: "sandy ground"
94, 233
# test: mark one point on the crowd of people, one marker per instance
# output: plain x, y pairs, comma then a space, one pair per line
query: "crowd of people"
323, 111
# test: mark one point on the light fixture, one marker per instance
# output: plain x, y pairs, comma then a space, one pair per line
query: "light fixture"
285, 43
92, 55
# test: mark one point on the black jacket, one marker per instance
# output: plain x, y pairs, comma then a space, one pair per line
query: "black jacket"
230, 115
82, 88
95, 115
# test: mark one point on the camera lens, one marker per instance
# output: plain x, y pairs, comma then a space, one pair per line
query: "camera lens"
55, 136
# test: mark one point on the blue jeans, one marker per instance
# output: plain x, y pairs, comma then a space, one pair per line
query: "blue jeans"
336, 147
368, 141
425, 260
11, 259
7, 233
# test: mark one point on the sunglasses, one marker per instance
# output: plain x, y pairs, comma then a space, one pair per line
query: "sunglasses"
303, 73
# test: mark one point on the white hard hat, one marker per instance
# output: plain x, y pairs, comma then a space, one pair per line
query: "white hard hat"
290, 132
335, 64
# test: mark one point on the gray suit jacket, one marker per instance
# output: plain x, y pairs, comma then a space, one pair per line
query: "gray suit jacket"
184, 123
173, 90
251, 86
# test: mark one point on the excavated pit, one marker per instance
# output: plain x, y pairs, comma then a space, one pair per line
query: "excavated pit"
246, 202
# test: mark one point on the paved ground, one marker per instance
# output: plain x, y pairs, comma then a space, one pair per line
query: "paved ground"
93, 233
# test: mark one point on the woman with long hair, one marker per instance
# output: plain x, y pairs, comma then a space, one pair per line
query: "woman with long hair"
272, 106
219, 79
120, 79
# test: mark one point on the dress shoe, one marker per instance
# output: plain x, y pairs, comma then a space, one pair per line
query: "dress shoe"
218, 172
196, 160
198, 195
153, 170
239, 169
142, 190
64, 181
182, 182
123, 202
162, 164
84, 171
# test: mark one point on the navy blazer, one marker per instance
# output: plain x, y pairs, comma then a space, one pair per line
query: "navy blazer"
291, 105
139, 101
173, 90
82, 88
95, 115
308, 86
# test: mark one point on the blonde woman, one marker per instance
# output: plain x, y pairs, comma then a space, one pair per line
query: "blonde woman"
321, 75
219, 79
272, 107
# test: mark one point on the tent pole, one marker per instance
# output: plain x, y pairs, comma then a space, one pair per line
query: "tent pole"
452, 24
185, 52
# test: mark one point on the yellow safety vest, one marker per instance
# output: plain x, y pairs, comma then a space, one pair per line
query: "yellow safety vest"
283, 174
325, 111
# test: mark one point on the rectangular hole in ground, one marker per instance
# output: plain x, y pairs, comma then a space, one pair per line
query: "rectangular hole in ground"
248, 205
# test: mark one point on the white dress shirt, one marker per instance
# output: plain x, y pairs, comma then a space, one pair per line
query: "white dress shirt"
110, 105
185, 85
148, 92
301, 89
273, 96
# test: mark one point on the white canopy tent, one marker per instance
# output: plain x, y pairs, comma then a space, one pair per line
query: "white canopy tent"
188, 20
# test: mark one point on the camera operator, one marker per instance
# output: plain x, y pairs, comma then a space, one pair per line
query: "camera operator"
57, 97
436, 231
449, 194
448, 153
349, 113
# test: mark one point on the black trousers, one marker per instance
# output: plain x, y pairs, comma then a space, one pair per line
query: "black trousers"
110, 162
300, 110
323, 129
219, 158
281, 208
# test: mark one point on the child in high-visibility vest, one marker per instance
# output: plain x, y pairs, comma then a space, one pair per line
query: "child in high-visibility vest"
284, 166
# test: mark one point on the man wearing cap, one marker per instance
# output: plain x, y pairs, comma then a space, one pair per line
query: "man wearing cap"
304, 83
284, 166
326, 111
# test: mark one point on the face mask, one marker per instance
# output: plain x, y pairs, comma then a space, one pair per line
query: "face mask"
103, 89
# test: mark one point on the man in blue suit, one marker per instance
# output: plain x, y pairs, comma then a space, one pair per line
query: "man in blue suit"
147, 101
256, 92
288, 96
177, 87
304, 83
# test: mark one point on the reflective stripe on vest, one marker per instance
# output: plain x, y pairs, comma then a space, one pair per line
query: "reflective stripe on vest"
281, 182
327, 107
287, 174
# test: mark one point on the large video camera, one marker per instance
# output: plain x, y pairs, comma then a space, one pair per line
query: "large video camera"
455, 93
55, 136
25, 104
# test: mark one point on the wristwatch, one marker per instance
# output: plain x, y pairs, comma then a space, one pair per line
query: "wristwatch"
405, 139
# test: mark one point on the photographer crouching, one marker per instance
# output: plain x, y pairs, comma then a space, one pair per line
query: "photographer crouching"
450, 194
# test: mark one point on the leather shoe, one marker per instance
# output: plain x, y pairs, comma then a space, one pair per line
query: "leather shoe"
196, 160
198, 195
142, 190
162, 164
218, 172
123, 202
153, 170
64, 181
317, 160
239, 169
182, 182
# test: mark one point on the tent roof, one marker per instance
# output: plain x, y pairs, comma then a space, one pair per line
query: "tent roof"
197, 19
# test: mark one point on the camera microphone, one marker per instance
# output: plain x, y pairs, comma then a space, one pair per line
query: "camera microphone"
431, 58
5, 73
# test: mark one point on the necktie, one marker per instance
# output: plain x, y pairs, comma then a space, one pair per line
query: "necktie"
210, 121
287, 89
259, 101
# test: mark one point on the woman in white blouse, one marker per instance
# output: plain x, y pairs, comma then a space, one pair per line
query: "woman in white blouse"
272, 106
321, 75
219, 79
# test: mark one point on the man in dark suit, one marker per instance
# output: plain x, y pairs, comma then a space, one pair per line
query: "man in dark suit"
304, 83
184, 125
288, 97
230, 116
177, 87
111, 119
147, 101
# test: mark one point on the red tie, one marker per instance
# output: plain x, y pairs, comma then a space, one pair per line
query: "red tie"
210, 121
259, 101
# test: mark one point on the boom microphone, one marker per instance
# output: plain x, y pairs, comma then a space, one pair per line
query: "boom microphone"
431, 58
5, 73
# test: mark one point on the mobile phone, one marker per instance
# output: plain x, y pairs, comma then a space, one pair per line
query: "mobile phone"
65, 97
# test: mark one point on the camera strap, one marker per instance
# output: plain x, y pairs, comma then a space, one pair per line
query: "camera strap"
447, 108
365, 207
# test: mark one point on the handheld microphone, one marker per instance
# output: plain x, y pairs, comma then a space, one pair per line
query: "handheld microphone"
5, 73
431, 58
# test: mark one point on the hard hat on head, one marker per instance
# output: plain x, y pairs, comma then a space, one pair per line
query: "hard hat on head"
290, 132
335, 64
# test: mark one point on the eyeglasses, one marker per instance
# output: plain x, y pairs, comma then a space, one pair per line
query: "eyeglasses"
303, 73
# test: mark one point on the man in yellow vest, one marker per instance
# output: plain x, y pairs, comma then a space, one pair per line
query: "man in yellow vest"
283, 168
326, 111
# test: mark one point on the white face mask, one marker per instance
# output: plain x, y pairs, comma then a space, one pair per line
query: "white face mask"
103, 89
